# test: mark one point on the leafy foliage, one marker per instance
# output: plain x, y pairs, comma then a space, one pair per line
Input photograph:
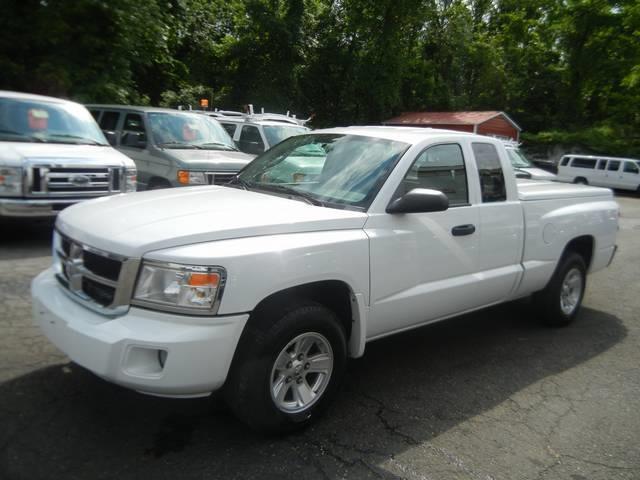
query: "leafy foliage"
572, 66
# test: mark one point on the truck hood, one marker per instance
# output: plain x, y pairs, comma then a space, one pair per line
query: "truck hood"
15, 153
538, 173
137, 223
210, 159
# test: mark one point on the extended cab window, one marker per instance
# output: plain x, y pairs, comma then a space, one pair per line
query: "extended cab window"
583, 162
441, 168
250, 140
564, 161
491, 176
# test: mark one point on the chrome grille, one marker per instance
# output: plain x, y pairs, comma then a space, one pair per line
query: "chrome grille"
100, 280
219, 178
73, 181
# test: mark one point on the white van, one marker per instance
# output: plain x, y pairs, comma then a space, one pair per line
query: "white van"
53, 155
612, 172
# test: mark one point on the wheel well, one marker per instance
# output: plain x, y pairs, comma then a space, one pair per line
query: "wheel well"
578, 179
159, 181
333, 294
583, 246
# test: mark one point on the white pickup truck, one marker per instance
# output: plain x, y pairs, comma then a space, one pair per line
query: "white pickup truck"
263, 288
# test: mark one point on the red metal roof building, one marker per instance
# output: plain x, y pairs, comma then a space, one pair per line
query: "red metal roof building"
492, 123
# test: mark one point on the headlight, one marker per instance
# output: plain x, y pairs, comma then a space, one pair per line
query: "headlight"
130, 180
180, 288
11, 181
186, 177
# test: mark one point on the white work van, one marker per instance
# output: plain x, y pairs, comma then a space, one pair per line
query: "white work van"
612, 172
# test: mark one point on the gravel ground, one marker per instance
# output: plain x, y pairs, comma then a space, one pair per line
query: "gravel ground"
491, 395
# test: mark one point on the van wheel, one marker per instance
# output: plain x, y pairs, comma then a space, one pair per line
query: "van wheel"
559, 302
287, 368
581, 181
158, 183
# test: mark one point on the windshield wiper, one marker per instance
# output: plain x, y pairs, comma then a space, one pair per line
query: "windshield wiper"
310, 199
178, 144
89, 141
31, 138
218, 144
238, 181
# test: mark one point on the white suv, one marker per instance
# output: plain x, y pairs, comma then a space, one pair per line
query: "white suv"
256, 133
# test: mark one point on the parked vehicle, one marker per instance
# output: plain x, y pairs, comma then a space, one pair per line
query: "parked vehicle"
612, 172
523, 167
255, 133
171, 148
52, 155
264, 287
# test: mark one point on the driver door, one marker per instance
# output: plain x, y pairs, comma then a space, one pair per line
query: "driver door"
423, 265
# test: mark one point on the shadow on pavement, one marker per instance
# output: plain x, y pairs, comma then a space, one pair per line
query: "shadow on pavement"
25, 238
63, 422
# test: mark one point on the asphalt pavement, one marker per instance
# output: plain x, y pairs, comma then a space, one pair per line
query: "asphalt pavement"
491, 395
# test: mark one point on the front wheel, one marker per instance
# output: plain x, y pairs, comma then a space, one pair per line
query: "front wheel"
287, 368
559, 302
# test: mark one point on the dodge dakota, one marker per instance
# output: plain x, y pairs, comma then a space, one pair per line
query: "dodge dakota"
263, 288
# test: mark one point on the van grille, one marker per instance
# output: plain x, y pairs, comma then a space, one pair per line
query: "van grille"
100, 280
219, 178
73, 181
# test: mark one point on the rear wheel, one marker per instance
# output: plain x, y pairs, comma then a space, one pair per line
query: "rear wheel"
581, 181
559, 302
287, 368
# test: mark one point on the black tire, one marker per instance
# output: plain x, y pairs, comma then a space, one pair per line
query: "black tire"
554, 308
248, 390
581, 181
157, 184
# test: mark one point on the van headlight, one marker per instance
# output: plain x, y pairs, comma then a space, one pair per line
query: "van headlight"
186, 177
11, 181
179, 288
130, 180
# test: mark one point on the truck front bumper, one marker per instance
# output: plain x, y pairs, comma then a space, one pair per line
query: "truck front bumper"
152, 352
19, 207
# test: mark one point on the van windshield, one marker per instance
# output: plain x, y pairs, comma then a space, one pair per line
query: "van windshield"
277, 133
44, 121
188, 130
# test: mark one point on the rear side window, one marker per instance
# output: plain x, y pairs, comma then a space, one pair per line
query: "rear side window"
229, 127
630, 167
133, 123
601, 164
613, 165
580, 162
441, 168
109, 121
491, 176
564, 161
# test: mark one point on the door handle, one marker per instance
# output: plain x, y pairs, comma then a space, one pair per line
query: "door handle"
461, 230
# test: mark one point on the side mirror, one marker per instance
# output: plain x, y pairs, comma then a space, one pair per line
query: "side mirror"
419, 200
110, 136
133, 140
522, 174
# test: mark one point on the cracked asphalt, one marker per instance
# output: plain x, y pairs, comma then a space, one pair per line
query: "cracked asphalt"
492, 395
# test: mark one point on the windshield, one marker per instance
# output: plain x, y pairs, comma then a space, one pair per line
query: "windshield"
277, 133
188, 130
47, 122
333, 169
518, 160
